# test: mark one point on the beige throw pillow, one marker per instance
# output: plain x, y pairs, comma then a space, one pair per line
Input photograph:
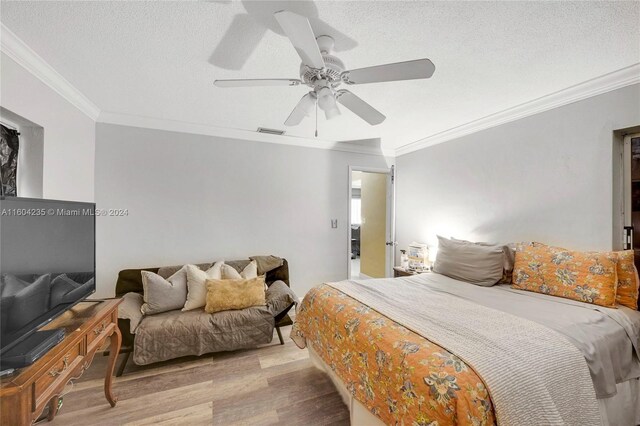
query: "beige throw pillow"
162, 295
249, 271
509, 257
196, 284
225, 295
473, 263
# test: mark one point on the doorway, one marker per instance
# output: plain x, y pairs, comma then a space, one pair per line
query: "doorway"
371, 231
631, 196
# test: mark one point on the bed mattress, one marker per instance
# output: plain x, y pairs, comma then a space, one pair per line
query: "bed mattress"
402, 377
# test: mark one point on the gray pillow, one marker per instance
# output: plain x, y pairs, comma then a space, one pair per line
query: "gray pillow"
279, 297
130, 309
509, 257
476, 264
162, 295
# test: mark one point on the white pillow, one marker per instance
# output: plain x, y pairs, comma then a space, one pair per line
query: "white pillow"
249, 271
196, 284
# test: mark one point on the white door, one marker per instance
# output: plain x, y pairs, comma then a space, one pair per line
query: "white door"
371, 230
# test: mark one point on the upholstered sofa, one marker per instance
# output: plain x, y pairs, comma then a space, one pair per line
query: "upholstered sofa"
173, 334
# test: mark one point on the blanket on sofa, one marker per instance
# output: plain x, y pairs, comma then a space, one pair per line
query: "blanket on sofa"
175, 334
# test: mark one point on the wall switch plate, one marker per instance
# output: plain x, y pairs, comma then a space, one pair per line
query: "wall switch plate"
334, 223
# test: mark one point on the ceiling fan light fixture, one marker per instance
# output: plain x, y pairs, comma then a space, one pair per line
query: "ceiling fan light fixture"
332, 112
327, 103
326, 98
308, 103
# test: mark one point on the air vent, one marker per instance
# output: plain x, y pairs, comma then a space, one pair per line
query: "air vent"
270, 131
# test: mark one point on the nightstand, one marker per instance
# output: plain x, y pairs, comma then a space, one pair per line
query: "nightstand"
401, 272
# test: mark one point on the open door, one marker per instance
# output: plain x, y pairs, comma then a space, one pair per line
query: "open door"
631, 214
371, 230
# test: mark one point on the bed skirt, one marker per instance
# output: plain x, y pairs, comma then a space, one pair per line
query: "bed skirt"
620, 410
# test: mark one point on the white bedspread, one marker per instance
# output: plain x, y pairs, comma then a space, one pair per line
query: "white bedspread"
533, 373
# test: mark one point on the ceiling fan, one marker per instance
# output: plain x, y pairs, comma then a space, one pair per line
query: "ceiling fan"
324, 73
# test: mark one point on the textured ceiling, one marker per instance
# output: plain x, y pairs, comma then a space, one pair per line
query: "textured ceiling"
159, 59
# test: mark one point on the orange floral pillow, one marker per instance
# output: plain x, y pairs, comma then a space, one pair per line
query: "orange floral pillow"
627, 280
588, 277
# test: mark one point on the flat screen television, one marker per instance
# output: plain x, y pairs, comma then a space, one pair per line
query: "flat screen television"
47, 263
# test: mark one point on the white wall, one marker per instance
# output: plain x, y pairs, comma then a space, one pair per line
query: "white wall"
30, 162
547, 177
69, 135
195, 198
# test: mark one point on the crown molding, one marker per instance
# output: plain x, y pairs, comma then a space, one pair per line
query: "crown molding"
19, 51
230, 133
596, 86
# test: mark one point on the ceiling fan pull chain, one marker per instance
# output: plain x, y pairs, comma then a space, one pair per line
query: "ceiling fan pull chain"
316, 118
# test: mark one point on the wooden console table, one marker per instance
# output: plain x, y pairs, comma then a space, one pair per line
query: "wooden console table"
25, 394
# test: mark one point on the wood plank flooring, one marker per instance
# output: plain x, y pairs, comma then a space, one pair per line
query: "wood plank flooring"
271, 385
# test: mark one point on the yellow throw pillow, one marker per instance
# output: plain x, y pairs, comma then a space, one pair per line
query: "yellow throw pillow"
588, 277
225, 295
628, 282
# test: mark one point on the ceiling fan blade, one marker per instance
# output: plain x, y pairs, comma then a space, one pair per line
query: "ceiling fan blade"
409, 70
360, 107
258, 82
301, 110
299, 31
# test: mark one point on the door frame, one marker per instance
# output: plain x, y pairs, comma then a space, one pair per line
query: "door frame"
627, 186
391, 213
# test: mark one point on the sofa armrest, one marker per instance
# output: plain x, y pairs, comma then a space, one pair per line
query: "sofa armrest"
129, 309
279, 298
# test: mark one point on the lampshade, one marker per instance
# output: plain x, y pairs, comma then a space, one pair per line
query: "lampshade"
327, 103
307, 103
332, 112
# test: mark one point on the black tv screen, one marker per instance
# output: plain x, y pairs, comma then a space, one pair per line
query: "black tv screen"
47, 262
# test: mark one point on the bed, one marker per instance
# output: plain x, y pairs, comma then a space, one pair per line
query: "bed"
431, 350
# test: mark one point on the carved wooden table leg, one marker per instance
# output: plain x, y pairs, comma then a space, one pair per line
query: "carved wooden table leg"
54, 404
114, 350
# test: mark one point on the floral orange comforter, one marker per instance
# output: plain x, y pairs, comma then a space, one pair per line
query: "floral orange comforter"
401, 377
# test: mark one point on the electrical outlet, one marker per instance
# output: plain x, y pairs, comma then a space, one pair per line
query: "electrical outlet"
334, 223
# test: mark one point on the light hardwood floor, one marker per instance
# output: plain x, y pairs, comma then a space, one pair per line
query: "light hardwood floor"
274, 384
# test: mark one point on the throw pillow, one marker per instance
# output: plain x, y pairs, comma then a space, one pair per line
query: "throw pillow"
162, 295
130, 309
473, 263
279, 297
628, 281
196, 284
230, 273
509, 258
588, 277
225, 295
627, 294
